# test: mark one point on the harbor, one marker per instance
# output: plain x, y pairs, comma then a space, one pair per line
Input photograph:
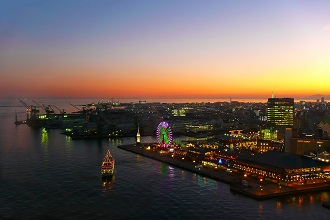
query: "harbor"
252, 166
58, 168
252, 188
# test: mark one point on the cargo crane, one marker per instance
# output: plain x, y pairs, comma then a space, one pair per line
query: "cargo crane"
79, 110
37, 104
30, 109
48, 109
82, 111
61, 111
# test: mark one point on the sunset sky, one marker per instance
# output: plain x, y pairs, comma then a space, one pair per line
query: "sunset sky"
170, 48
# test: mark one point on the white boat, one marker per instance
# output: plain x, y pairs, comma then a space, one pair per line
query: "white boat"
108, 165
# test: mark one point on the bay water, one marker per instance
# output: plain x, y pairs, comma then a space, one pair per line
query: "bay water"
47, 175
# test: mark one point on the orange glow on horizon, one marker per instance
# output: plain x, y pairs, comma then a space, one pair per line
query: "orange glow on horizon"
204, 80
174, 86
221, 51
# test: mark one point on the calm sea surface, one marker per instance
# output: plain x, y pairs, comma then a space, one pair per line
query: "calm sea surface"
46, 175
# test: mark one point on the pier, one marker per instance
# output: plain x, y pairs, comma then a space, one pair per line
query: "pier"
252, 188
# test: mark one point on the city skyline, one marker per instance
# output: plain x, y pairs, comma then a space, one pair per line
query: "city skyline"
164, 49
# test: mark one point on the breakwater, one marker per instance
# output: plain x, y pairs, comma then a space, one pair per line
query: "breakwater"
253, 189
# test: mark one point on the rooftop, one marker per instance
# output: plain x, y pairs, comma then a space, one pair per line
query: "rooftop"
280, 159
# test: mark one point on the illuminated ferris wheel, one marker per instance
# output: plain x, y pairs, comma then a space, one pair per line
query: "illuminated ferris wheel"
164, 134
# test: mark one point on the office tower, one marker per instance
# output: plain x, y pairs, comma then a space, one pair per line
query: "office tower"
280, 112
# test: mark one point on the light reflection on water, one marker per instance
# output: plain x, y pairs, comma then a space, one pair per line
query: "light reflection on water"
45, 174
260, 208
44, 143
108, 183
278, 208
171, 173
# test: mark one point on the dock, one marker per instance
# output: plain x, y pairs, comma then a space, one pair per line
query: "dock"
254, 189
179, 163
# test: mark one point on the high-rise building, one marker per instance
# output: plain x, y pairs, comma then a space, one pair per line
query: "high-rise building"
280, 112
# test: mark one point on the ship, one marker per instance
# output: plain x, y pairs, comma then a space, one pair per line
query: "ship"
108, 166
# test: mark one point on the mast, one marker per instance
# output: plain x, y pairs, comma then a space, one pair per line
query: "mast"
16, 121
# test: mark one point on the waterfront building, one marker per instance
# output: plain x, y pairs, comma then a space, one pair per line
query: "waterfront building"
325, 129
199, 127
280, 112
303, 144
280, 115
181, 112
266, 145
268, 133
282, 167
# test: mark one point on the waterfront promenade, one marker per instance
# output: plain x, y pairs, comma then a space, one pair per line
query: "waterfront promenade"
254, 188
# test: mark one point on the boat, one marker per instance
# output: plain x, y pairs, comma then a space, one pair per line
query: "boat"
108, 165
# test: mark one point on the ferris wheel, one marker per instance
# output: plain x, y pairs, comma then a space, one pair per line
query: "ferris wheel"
164, 134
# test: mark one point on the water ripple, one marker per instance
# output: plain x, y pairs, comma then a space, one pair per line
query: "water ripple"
57, 178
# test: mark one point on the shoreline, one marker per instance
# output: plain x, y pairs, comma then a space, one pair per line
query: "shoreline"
254, 189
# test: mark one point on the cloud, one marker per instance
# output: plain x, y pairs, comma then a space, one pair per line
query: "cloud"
326, 27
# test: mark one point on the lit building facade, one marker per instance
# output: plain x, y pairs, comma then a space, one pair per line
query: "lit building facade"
138, 136
280, 112
301, 146
282, 168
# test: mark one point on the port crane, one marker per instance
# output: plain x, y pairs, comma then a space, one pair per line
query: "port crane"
48, 109
79, 110
83, 111
30, 109
37, 104
61, 111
